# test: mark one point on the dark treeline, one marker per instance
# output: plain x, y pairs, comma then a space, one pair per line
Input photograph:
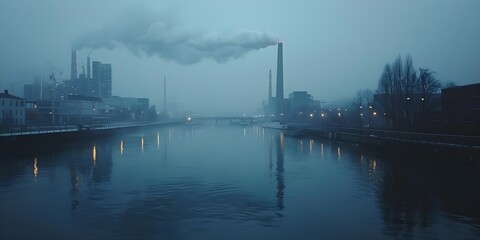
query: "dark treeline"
403, 88
402, 94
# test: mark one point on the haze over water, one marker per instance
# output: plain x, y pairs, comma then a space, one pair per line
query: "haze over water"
217, 181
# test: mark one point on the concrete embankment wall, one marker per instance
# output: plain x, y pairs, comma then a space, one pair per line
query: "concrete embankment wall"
23, 141
387, 144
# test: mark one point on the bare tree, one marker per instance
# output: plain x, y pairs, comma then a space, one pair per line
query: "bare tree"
386, 89
449, 84
363, 98
408, 82
426, 86
362, 102
397, 84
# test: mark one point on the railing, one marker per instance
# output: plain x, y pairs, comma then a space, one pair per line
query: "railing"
443, 139
39, 130
76, 128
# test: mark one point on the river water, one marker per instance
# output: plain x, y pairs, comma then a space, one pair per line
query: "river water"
218, 181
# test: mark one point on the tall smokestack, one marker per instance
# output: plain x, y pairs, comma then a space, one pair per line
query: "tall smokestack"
165, 95
73, 71
88, 68
269, 90
279, 97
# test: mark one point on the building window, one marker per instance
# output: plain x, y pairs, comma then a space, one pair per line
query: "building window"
16, 103
10, 103
21, 103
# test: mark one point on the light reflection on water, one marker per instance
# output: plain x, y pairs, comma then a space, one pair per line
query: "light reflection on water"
35, 168
217, 181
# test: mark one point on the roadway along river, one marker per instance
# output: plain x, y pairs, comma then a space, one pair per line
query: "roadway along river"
219, 181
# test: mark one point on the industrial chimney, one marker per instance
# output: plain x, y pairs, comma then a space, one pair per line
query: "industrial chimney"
165, 95
73, 71
279, 108
88, 68
270, 91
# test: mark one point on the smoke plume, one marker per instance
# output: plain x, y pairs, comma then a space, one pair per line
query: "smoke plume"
144, 32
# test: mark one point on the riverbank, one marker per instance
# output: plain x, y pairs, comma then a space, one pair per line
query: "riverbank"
15, 141
465, 147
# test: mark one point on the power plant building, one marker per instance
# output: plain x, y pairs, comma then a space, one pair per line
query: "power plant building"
300, 101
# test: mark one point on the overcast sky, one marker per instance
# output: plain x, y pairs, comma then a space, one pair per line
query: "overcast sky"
331, 48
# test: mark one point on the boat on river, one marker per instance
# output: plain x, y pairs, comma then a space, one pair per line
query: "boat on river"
239, 122
274, 125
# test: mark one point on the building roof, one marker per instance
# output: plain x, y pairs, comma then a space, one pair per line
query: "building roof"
6, 95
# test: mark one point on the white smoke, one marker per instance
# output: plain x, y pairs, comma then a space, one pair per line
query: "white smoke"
145, 32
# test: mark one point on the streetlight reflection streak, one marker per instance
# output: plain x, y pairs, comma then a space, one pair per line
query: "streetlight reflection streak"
339, 153
94, 155
35, 168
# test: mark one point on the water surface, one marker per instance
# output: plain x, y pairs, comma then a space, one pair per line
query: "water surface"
218, 181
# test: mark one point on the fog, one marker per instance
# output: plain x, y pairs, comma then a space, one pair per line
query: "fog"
216, 54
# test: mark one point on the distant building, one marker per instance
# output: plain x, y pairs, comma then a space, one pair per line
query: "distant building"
461, 108
12, 110
41, 89
455, 111
128, 108
101, 84
82, 110
299, 101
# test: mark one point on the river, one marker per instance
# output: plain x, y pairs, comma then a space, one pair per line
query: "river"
219, 181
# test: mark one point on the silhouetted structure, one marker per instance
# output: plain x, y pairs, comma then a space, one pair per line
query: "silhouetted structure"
12, 110
89, 75
101, 79
300, 102
279, 108
73, 70
270, 98
461, 107
165, 110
